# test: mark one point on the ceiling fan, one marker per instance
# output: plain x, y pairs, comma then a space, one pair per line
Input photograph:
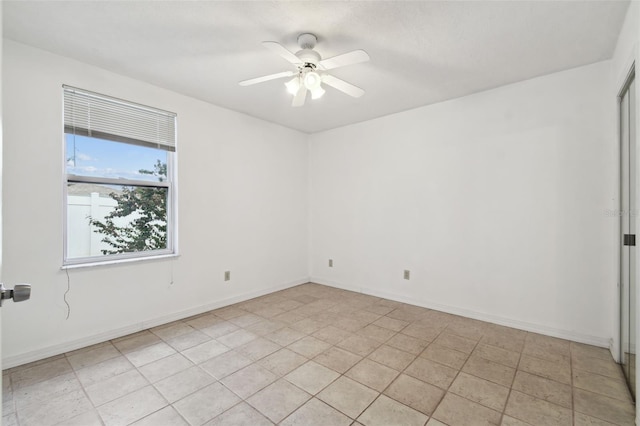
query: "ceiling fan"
311, 70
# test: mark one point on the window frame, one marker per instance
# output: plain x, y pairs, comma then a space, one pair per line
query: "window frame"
170, 183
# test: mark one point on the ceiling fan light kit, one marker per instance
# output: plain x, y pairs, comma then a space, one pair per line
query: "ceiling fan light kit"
317, 93
312, 80
293, 85
311, 70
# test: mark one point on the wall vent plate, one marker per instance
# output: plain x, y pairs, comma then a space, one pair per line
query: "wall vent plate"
227, 275
407, 274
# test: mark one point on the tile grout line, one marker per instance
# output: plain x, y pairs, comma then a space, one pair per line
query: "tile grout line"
349, 369
458, 372
455, 377
245, 400
84, 391
142, 375
137, 369
13, 400
515, 374
353, 333
395, 378
403, 371
408, 365
313, 359
216, 380
571, 384
573, 407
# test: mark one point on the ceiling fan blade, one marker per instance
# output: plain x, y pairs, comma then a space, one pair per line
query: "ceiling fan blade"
349, 58
299, 98
266, 78
343, 86
279, 49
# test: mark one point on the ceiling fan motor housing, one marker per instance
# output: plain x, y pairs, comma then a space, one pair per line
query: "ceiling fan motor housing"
308, 56
307, 41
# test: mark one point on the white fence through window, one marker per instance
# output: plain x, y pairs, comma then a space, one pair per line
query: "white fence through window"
84, 238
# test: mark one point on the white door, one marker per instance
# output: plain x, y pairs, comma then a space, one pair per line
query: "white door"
22, 292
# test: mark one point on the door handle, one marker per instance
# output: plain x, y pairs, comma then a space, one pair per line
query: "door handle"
629, 240
19, 293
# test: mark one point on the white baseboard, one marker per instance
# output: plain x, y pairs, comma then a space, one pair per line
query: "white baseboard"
42, 353
36, 355
508, 322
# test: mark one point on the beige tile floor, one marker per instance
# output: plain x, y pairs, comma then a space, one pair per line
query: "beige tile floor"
315, 355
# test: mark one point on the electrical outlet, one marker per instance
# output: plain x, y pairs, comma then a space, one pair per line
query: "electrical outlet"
407, 274
227, 275
330, 263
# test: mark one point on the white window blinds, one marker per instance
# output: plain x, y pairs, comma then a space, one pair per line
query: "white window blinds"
99, 116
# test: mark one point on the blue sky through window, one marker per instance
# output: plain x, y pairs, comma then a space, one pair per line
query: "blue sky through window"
87, 156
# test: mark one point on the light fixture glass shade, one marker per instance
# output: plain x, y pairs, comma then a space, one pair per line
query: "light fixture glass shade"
317, 92
312, 80
293, 85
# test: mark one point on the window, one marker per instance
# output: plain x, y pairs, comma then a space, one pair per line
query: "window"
119, 180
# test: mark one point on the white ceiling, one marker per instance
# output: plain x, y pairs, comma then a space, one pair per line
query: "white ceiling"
421, 52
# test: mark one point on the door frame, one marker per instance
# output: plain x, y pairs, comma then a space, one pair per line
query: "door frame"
629, 78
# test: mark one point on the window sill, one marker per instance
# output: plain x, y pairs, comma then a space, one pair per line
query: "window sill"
118, 261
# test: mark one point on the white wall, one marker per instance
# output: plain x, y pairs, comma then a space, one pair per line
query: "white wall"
241, 182
496, 203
